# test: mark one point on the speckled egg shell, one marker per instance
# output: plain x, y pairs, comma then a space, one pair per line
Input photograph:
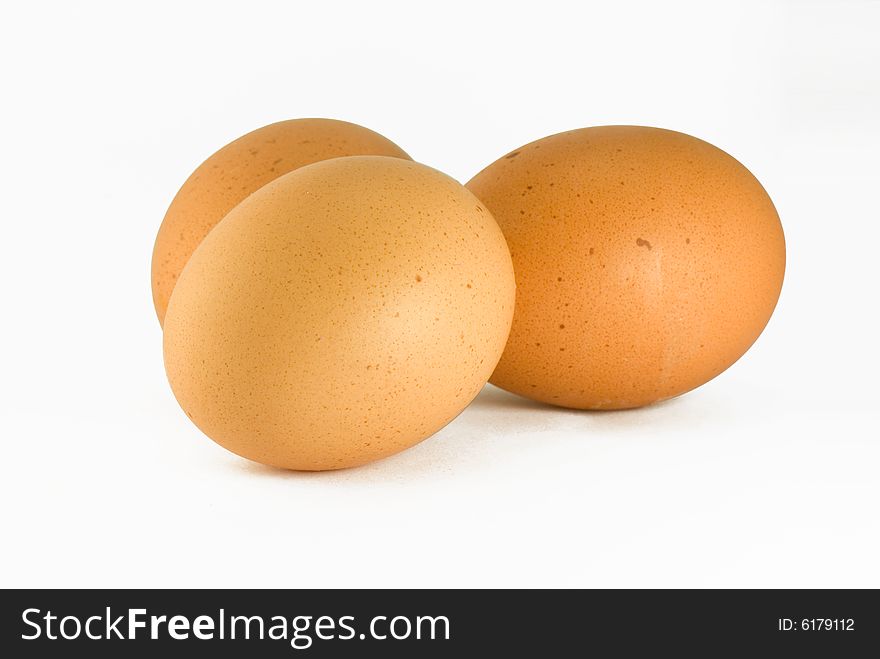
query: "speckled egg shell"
237, 170
647, 262
340, 314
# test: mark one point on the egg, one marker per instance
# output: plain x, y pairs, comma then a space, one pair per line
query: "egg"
340, 314
647, 262
237, 170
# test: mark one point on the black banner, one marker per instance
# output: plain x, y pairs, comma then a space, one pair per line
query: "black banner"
437, 623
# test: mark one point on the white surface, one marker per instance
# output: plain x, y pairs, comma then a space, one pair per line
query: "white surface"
767, 476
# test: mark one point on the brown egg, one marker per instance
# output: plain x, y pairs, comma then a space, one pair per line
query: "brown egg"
340, 314
237, 170
647, 262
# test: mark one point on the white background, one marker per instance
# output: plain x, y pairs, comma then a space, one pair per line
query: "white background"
767, 476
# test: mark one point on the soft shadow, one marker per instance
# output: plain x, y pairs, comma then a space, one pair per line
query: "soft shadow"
474, 435
493, 398
266, 471
690, 411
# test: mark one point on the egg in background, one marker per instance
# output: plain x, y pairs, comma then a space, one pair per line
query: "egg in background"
240, 168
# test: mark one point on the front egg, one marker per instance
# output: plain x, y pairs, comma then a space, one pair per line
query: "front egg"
340, 314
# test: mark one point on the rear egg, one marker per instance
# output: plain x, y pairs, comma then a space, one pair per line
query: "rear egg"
647, 262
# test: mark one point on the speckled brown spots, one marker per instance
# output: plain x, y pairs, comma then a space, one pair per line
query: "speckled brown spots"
687, 306
509, 156
258, 157
343, 380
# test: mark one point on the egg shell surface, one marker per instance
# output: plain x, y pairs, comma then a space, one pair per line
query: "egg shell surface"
240, 168
340, 314
647, 262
